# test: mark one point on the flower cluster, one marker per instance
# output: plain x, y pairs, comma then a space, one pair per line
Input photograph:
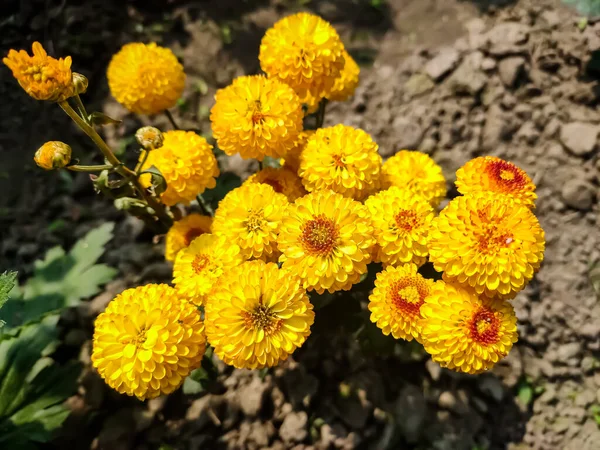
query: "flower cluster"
323, 211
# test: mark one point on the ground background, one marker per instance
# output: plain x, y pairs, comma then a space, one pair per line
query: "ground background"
455, 79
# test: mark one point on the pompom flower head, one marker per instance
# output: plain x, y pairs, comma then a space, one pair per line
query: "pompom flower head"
401, 222
257, 316
491, 174
250, 217
326, 239
343, 159
198, 267
346, 83
147, 341
53, 155
416, 172
281, 179
257, 117
464, 332
187, 163
145, 78
396, 300
487, 242
40, 75
305, 52
183, 232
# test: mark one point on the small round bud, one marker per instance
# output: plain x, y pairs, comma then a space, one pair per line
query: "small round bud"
149, 138
53, 155
80, 82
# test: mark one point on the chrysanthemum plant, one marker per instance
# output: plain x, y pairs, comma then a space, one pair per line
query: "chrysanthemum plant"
327, 219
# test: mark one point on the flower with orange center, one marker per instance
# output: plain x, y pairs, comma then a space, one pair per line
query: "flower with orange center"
40, 75
346, 83
198, 267
464, 332
395, 302
487, 242
257, 316
183, 232
343, 159
326, 239
145, 78
401, 221
250, 216
416, 172
187, 163
256, 117
305, 52
147, 341
281, 179
491, 174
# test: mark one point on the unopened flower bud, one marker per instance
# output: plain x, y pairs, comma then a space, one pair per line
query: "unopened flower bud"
53, 155
149, 138
80, 82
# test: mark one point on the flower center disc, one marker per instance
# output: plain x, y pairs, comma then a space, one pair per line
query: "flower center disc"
338, 161
407, 295
261, 317
406, 220
484, 327
200, 262
255, 220
506, 175
319, 235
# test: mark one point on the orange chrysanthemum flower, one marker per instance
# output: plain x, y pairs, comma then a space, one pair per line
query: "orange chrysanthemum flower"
256, 117
416, 172
145, 78
396, 300
40, 75
464, 332
281, 179
305, 52
491, 174
183, 232
487, 242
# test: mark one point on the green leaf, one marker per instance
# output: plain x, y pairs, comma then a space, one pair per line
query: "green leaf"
588, 8
225, 183
7, 283
32, 387
201, 378
159, 183
525, 394
61, 280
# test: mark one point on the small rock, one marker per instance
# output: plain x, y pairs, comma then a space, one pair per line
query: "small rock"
492, 386
293, 428
434, 369
579, 137
467, 79
568, 351
510, 69
506, 38
261, 433
578, 194
418, 84
252, 396
409, 133
446, 61
447, 400
561, 425
488, 64
329, 434
591, 330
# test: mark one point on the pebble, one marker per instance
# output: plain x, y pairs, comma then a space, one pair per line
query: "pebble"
578, 194
293, 428
579, 137
446, 61
509, 70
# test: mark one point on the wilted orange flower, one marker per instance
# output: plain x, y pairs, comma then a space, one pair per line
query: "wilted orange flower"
40, 75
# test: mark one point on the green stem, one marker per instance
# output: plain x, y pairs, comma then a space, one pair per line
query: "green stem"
80, 168
321, 112
171, 119
204, 206
82, 110
138, 168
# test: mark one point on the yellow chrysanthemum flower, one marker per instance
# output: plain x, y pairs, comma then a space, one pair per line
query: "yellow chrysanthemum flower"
256, 117
491, 174
396, 299
346, 83
416, 172
401, 222
147, 341
198, 267
257, 316
250, 216
145, 78
187, 163
326, 239
53, 155
292, 158
40, 75
305, 52
343, 159
464, 332
310, 103
281, 179
183, 232
487, 242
